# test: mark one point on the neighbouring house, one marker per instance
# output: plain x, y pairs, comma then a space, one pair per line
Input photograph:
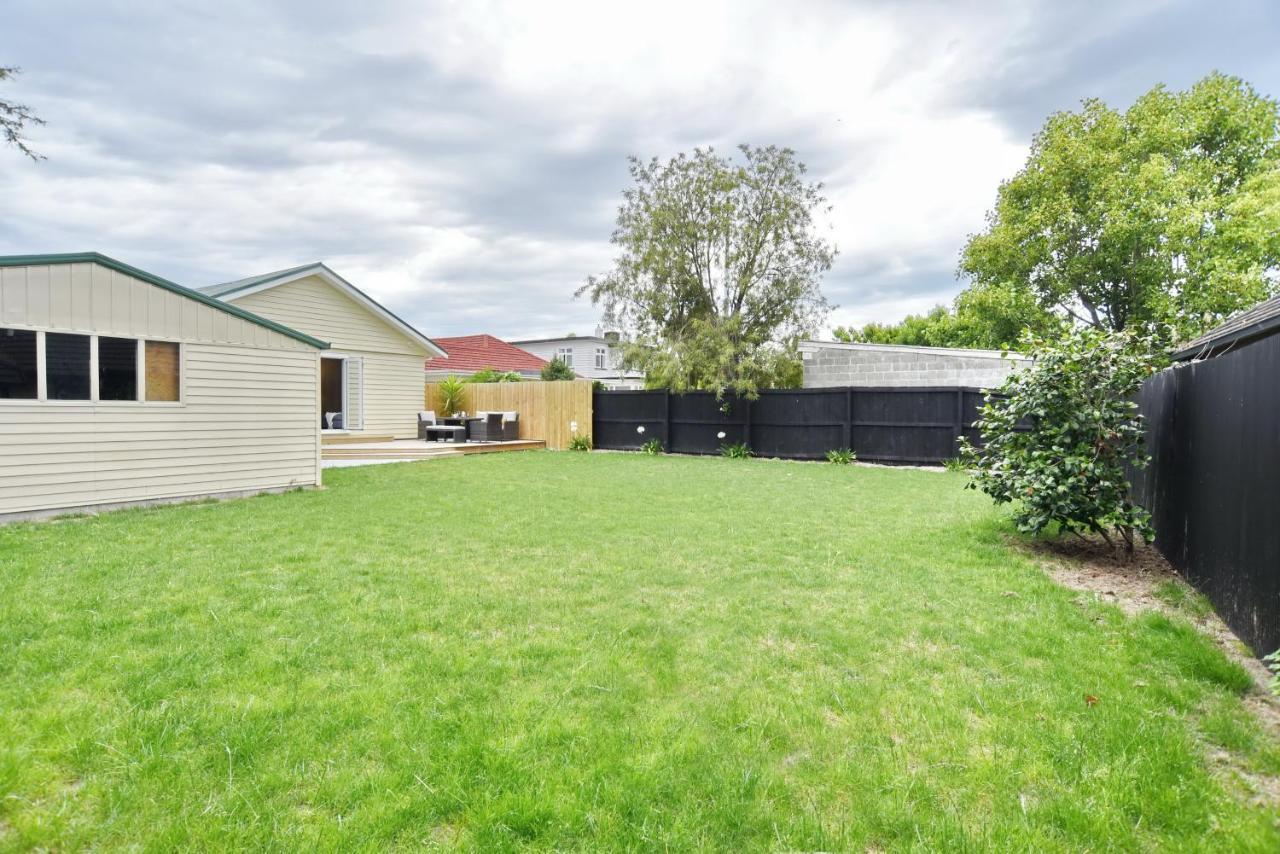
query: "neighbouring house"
371, 381
592, 357
834, 363
118, 387
468, 354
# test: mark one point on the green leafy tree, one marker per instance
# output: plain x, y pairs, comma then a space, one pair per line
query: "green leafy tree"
16, 118
556, 369
1165, 215
983, 316
718, 269
1058, 445
493, 375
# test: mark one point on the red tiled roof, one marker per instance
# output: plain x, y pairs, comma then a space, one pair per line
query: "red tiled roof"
471, 353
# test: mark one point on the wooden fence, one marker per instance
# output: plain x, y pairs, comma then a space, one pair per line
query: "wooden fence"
548, 410
1213, 485
892, 425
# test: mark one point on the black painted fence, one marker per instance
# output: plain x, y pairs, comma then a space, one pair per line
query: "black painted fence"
1213, 486
889, 425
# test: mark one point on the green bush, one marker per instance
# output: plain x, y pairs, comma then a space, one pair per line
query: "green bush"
737, 451
653, 447
955, 464
1057, 447
556, 369
493, 375
452, 394
580, 442
841, 456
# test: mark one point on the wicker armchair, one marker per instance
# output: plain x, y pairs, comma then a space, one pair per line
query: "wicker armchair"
485, 428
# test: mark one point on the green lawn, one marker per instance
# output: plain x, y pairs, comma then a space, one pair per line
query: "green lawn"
605, 651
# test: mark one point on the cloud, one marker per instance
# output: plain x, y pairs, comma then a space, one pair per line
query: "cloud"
463, 162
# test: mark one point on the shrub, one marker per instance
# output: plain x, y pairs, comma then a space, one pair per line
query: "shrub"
653, 447
738, 451
841, 456
493, 375
452, 394
955, 464
1273, 664
1057, 446
556, 369
580, 442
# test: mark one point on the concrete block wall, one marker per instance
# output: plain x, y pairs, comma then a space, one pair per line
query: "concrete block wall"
828, 364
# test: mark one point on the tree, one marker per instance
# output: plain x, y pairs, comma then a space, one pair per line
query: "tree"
984, 316
14, 119
1058, 444
718, 270
493, 375
556, 369
1164, 215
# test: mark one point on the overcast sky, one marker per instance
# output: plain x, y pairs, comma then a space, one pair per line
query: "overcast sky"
463, 162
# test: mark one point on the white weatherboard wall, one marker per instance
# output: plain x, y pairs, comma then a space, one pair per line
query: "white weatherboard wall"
391, 382
247, 420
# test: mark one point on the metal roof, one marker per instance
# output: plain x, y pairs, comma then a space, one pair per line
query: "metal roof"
1258, 322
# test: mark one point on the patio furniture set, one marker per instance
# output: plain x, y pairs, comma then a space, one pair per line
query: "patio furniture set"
481, 427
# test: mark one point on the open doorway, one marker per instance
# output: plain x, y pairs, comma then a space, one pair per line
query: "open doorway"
333, 394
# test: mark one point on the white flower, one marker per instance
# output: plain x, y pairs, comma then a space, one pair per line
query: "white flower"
720, 435
640, 429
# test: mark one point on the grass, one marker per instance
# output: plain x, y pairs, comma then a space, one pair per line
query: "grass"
598, 651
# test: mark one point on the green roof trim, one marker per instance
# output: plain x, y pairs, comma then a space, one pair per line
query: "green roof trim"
152, 279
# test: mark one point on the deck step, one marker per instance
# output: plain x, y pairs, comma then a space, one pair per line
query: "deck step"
423, 452
354, 438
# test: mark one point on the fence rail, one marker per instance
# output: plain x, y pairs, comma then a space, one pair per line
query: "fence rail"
893, 425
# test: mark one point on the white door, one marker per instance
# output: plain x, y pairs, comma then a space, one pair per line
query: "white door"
353, 410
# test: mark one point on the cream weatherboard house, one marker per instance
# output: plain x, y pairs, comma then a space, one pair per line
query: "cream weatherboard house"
118, 387
371, 379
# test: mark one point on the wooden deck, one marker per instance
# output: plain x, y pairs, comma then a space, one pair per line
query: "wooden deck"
416, 449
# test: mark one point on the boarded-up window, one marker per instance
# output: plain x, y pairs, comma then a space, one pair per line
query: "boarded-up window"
66, 366
162, 371
18, 364
117, 368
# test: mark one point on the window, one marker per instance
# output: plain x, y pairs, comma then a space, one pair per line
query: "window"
117, 368
18, 364
66, 366
600, 353
565, 354
163, 371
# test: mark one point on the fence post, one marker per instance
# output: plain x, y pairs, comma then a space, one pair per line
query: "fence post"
959, 419
746, 427
666, 418
847, 427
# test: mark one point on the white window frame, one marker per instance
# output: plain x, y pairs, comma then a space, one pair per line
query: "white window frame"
565, 354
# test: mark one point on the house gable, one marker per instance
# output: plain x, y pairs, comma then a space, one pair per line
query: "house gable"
316, 300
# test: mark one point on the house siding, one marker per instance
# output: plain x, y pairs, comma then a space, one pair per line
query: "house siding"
392, 380
247, 420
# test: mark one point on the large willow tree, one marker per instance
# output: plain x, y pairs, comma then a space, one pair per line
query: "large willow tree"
718, 270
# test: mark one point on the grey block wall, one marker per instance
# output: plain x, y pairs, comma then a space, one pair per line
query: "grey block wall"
830, 364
